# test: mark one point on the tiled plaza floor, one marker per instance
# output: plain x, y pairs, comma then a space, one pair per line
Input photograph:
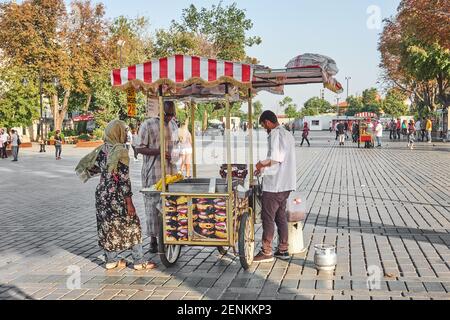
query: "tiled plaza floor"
386, 210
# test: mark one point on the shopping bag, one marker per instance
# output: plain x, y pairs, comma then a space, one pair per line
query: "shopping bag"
295, 208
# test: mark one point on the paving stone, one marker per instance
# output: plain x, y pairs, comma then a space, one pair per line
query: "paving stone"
373, 225
434, 287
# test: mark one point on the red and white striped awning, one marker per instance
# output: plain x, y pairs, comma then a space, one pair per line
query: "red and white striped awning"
366, 115
180, 71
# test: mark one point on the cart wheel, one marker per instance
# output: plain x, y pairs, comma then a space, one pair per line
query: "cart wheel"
168, 254
222, 250
246, 241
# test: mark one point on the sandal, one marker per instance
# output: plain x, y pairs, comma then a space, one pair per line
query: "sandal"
118, 264
145, 266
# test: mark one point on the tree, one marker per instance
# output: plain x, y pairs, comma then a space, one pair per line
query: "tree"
394, 104
52, 44
291, 112
414, 49
257, 109
18, 98
319, 105
224, 28
138, 45
290, 108
371, 101
355, 105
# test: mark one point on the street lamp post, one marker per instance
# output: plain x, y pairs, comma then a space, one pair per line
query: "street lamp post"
120, 43
348, 80
41, 129
41, 124
337, 105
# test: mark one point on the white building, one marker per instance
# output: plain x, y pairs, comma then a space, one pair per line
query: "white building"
317, 123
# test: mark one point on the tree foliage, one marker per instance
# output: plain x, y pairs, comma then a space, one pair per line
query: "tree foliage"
394, 104
319, 105
77, 46
18, 99
52, 43
415, 52
224, 28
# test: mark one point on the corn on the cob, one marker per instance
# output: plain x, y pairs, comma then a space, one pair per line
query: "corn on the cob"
170, 179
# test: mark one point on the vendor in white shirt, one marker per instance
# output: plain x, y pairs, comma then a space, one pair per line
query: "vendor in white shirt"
279, 172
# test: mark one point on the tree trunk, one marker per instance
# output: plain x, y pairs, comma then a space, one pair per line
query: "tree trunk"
60, 113
55, 108
88, 102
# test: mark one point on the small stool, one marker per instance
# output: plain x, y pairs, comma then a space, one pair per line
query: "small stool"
295, 232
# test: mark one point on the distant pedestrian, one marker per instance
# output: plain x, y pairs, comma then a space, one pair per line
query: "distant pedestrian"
4, 140
423, 125
379, 133
340, 129
355, 132
58, 145
429, 128
305, 134
392, 130
129, 139
185, 139
418, 127
135, 143
411, 134
405, 128
118, 225
15, 143
346, 130
336, 130
398, 128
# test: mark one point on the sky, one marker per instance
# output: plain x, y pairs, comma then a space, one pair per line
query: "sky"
346, 30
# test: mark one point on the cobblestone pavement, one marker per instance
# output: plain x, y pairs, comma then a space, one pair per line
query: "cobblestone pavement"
387, 210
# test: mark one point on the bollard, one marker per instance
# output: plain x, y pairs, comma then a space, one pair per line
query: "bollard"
295, 231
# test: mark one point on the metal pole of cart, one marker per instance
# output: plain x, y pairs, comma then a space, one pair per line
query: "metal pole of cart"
194, 164
230, 210
228, 137
162, 140
250, 135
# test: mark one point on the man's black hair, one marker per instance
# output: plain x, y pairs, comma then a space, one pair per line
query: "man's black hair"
169, 105
268, 115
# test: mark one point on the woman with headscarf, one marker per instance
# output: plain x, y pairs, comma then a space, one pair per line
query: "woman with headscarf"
118, 225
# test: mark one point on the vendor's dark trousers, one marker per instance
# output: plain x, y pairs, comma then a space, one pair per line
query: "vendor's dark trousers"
337, 135
423, 135
274, 212
391, 135
303, 140
398, 134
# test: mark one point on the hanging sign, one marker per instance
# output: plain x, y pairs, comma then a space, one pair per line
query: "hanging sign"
131, 102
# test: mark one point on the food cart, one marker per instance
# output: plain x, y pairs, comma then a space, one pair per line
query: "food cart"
365, 134
211, 212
